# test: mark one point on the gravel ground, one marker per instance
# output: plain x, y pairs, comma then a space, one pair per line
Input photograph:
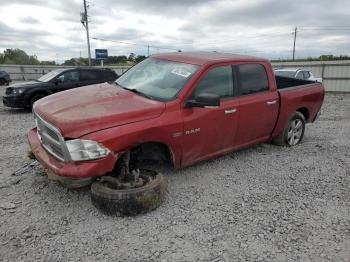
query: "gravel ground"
266, 203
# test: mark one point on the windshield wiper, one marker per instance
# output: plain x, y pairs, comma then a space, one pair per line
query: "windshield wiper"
137, 92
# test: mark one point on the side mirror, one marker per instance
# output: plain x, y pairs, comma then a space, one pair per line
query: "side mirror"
204, 100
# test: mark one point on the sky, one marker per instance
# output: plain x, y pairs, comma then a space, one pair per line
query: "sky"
51, 29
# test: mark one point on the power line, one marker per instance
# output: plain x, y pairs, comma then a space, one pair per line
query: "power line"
325, 28
235, 39
129, 43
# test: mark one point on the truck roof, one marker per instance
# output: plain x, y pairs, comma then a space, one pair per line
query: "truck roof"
288, 69
201, 58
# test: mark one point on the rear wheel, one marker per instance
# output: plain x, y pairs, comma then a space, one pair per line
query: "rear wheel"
2, 82
293, 132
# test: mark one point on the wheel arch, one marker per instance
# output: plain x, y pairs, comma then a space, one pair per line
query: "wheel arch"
305, 112
33, 93
152, 150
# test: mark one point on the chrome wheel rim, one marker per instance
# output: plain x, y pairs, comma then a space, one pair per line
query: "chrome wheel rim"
295, 132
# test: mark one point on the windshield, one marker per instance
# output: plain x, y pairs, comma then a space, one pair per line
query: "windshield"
285, 73
158, 79
49, 76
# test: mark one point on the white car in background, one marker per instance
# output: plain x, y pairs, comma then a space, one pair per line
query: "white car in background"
297, 73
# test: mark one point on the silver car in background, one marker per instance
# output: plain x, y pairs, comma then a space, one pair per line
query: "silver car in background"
297, 73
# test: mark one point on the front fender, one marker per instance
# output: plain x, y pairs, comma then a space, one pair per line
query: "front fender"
30, 93
121, 138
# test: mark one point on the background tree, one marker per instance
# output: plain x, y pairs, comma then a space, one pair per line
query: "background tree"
19, 57
77, 62
139, 58
114, 60
131, 57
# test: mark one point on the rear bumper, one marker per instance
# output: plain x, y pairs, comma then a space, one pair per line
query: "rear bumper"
13, 101
74, 170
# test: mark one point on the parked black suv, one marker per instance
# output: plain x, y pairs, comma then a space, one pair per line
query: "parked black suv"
23, 95
4, 78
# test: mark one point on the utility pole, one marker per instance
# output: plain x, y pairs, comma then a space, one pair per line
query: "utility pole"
85, 21
147, 50
295, 39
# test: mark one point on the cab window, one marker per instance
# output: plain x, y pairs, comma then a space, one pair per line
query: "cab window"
67, 77
253, 79
300, 75
218, 81
306, 74
89, 75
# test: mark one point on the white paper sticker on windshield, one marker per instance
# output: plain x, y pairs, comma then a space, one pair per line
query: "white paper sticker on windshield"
181, 72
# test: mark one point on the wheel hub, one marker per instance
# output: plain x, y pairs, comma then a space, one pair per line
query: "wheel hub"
295, 132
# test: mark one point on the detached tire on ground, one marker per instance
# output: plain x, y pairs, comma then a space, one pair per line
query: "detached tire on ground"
132, 201
293, 132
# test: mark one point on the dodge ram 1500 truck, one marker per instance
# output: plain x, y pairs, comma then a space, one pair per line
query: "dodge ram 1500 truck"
180, 107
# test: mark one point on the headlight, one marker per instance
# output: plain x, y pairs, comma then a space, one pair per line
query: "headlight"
86, 150
17, 91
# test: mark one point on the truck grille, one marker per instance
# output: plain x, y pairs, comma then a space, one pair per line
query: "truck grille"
51, 139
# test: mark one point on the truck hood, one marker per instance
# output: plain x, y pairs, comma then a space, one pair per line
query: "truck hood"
88, 109
27, 84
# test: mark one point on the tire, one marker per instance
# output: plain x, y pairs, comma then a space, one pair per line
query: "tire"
35, 98
2, 82
293, 132
132, 201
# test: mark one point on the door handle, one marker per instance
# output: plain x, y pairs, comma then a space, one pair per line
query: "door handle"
271, 102
230, 111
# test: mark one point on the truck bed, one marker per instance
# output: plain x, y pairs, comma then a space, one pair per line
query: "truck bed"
286, 82
297, 95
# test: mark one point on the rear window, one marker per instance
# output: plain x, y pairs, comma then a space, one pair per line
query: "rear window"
285, 73
306, 74
300, 75
88, 75
253, 79
109, 75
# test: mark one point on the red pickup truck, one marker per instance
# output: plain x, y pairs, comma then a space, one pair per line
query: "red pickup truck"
176, 107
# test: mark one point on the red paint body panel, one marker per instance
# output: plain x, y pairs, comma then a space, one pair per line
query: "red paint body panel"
120, 119
73, 170
310, 97
96, 107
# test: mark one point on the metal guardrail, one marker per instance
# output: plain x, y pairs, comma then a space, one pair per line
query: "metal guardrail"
31, 72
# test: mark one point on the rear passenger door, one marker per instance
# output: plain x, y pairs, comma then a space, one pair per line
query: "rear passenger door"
258, 106
90, 77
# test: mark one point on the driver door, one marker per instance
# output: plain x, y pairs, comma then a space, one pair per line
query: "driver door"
211, 131
66, 80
